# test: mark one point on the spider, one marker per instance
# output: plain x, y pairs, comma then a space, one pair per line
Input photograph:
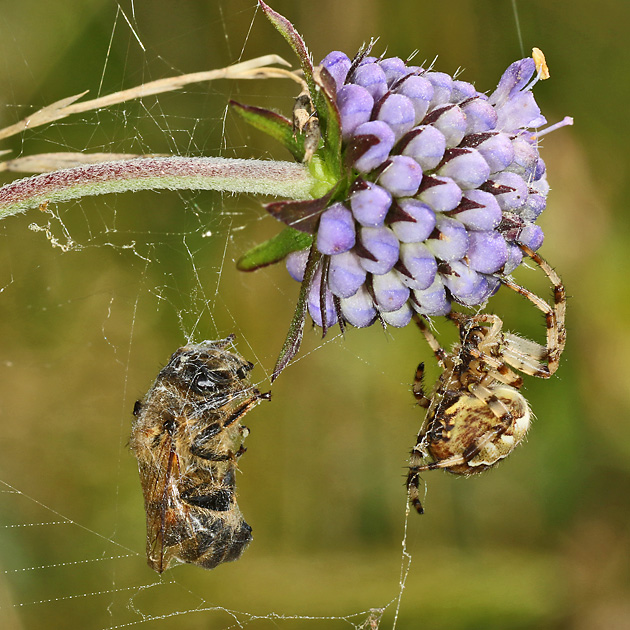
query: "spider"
476, 414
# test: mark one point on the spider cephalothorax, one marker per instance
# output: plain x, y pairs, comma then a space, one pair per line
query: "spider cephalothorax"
476, 414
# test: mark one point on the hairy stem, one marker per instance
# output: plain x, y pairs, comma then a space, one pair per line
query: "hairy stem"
280, 179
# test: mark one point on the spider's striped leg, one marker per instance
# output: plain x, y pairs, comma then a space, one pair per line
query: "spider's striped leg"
500, 371
434, 344
413, 491
526, 355
418, 390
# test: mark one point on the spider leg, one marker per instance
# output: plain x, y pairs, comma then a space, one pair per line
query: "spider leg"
418, 388
524, 353
434, 344
500, 371
467, 321
413, 490
559, 308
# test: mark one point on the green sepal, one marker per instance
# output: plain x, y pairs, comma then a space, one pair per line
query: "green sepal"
274, 250
301, 215
329, 122
274, 125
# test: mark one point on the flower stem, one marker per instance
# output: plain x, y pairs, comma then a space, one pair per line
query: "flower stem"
263, 177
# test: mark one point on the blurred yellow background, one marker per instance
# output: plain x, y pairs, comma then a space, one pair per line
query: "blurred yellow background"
540, 542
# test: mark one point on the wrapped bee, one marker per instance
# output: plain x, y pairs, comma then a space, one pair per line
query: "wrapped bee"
187, 437
476, 414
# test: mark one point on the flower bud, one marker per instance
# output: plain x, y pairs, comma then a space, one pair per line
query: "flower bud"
336, 230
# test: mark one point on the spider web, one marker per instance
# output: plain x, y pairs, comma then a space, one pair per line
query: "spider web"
97, 294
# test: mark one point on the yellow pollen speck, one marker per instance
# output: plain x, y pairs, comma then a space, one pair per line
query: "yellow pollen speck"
541, 64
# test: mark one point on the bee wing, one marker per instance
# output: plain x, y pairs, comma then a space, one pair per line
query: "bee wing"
168, 523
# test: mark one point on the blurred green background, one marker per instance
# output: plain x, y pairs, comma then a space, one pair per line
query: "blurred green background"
540, 542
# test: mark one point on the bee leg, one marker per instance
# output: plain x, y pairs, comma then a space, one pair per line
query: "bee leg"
246, 405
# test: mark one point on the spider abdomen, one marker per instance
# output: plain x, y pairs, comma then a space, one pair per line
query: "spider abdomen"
473, 438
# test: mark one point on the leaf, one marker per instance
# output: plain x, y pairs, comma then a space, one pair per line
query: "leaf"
329, 120
274, 250
296, 329
321, 87
287, 30
274, 125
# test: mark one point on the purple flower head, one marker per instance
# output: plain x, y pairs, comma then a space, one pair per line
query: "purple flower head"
445, 184
433, 188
